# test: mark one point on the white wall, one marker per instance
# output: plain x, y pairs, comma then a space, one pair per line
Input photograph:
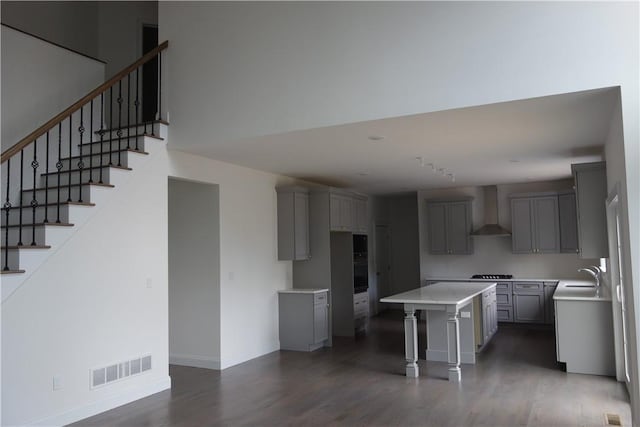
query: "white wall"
40, 80
194, 274
286, 66
70, 24
492, 255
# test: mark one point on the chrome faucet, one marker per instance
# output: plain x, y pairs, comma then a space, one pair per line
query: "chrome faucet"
595, 272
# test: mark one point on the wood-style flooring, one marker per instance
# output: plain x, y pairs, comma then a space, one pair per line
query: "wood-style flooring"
361, 382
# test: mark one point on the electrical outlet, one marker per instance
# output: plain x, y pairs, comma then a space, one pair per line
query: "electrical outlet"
149, 283
232, 275
57, 382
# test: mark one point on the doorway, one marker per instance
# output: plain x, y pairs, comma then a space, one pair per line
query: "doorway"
194, 273
383, 264
618, 283
149, 74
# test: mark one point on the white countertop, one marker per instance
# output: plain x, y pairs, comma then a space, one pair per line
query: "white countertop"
515, 279
302, 291
448, 293
565, 292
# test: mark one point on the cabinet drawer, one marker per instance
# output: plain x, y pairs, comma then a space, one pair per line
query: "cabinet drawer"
527, 288
505, 314
362, 297
320, 298
504, 299
503, 288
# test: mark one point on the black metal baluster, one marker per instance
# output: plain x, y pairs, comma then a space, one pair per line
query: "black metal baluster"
90, 143
46, 183
70, 138
7, 208
21, 193
128, 112
101, 133
137, 104
110, 125
59, 168
119, 132
34, 201
80, 162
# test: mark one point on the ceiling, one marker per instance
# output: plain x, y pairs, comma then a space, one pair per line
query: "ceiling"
520, 141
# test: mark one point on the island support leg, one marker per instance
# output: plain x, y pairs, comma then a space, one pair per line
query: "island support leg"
453, 341
411, 342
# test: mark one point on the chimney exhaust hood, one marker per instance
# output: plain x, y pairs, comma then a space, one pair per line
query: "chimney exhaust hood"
491, 226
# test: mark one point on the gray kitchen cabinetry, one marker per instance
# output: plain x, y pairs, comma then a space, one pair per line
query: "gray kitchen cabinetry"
568, 222
304, 319
341, 212
534, 221
359, 212
591, 194
549, 306
504, 302
528, 302
293, 223
449, 225
489, 315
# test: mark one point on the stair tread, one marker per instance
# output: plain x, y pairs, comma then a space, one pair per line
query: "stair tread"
11, 271
51, 187
87, 168
162, 122
133, 150
121, 138
26, 247
39, 224
24, 207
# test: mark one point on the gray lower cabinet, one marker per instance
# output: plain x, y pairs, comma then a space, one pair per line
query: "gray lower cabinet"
489, 315
568, 222
293, 223
535, 224
304, 319
591, 194
449, 225
528, 302
504, 302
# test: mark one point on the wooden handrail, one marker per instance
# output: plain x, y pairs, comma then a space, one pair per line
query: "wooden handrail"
15, 149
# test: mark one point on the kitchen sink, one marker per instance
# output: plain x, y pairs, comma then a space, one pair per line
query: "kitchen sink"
580, 286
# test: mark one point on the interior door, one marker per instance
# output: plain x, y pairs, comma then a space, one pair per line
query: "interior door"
620, 314
383, 264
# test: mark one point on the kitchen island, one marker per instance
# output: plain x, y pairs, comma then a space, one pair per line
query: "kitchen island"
448, 297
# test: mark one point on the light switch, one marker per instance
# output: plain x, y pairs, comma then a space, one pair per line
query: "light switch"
232, 275
465, 314
149, 282
57, 382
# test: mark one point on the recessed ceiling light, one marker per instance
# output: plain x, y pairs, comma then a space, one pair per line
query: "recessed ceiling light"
376, 138
363, 173
514, 161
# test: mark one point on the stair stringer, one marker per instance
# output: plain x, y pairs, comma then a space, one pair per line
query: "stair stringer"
56, 237
101, 293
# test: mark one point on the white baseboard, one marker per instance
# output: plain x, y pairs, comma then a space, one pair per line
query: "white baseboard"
106, 404
195, 361
443, 356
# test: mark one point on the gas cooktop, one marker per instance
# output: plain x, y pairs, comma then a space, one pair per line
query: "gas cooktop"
493, 276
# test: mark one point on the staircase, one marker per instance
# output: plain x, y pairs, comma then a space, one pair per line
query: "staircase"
55, 178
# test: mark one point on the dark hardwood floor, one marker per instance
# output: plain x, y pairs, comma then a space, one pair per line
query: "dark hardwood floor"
361, 382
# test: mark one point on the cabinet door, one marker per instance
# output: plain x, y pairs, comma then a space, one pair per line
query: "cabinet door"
437, 221
320, 322
334, 207
458, 228
591, 194
361, 224
568, 223
545, 215
522, 226
346, 215
528, 308
301, 225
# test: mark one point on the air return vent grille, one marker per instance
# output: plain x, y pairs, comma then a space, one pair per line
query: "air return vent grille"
119, 371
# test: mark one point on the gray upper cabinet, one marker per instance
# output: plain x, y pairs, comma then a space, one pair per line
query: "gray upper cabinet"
449, 225
293, 223
591, 194
360, 221
535, 224
568, 222
348, 212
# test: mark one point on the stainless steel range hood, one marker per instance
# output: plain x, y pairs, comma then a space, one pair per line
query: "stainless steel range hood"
491, 226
